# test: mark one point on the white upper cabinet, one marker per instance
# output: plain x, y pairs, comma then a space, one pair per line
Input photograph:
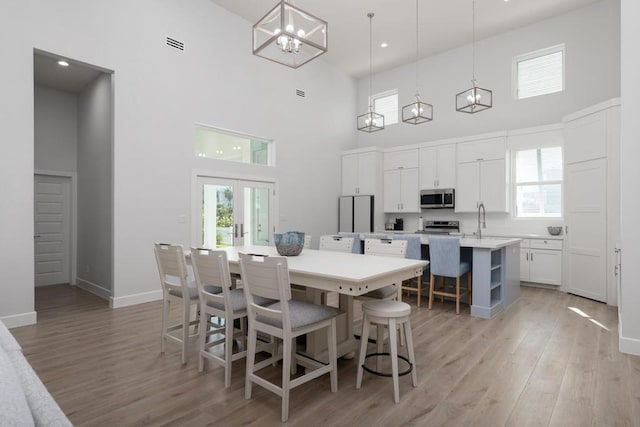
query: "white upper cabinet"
402, 159
359, 173
401, 191
438, 167
586, 138
482, 176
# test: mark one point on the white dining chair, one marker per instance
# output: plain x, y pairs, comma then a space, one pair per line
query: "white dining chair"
307, 242
218, 299
176, 288
336, 243
388, 248
268, 277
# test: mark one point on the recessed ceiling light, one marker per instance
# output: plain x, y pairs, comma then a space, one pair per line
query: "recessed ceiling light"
63, 63
385, 44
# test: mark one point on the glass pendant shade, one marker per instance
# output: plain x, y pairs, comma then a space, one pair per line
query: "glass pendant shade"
370, 121
417, 112
290, 36
474, 100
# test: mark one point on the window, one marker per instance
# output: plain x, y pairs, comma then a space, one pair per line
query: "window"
538, 182
539, 73
386, 103
220, 144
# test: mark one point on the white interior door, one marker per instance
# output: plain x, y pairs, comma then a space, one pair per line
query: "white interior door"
586, 237
52, 230
233, 212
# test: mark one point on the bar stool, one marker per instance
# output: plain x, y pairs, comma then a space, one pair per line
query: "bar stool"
392, 314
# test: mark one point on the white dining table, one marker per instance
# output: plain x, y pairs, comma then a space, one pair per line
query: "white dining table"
347, 274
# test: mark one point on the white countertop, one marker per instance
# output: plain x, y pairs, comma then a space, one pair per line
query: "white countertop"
489, 242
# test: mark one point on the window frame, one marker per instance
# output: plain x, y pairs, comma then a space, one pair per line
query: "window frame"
515, 184
534, 55
384, 94
270, 144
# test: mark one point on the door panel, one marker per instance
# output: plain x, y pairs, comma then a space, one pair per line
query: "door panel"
233, 212
587, 234
52, 230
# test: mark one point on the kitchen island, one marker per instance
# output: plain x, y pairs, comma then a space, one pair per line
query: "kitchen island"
495, 274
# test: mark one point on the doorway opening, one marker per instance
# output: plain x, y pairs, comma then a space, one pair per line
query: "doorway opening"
73, 164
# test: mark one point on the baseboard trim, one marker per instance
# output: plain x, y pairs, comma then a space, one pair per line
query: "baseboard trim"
22, 319
627, 345
117, 302
94, 289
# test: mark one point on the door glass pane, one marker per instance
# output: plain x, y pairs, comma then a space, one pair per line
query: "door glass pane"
223, 145
217, 216
256, 216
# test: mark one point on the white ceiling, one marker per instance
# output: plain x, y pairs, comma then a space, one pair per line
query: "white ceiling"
444, 24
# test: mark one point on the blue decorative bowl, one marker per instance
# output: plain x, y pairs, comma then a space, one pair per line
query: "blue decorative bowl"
289, 243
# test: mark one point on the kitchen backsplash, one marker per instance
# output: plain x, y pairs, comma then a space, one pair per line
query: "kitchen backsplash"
497, 223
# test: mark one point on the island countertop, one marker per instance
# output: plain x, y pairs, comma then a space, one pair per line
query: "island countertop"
470, 242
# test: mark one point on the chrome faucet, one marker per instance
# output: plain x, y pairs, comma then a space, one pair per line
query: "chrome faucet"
484, 220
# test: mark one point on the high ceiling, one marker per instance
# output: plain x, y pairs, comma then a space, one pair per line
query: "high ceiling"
444, 24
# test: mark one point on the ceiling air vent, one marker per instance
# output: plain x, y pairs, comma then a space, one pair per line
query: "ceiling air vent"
300, 93
175, 43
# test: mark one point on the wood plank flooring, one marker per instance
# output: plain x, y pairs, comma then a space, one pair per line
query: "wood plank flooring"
539, 363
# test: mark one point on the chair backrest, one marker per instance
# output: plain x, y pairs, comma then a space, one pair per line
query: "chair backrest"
172, 268
211, 270
414, 245
336, 243
307, 241
266, 277
357, 242
385, 247
444, 254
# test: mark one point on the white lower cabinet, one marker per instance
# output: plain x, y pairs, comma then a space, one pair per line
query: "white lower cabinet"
541, 261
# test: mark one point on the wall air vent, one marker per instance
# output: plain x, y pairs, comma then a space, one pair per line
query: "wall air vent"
175, 43
300, 93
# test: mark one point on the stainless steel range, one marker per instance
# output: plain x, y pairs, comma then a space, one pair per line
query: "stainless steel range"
440, 227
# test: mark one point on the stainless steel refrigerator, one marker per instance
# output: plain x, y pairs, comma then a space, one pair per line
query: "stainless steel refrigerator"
355, 214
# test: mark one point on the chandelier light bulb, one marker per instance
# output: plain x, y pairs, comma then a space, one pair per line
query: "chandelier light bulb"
289, 28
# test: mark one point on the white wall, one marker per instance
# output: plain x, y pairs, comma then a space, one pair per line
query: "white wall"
592, 67
56, 129
160, 94
630, 176
95, 185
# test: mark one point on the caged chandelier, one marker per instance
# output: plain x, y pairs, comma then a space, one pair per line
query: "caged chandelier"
370, 121
290, 36
475, 99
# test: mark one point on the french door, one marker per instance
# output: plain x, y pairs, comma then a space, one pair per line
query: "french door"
233, 212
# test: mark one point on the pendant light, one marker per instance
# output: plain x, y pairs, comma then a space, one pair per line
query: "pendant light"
370, 121
475, 99
417, 112
289, 35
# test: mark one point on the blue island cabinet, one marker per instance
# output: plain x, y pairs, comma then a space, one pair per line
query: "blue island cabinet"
496, 279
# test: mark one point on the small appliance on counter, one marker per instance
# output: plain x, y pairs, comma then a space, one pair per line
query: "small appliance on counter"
399, 225
389, 226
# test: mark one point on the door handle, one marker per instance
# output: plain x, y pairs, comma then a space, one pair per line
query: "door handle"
531, 257
242, 230
235, 232
566, 229
527, 255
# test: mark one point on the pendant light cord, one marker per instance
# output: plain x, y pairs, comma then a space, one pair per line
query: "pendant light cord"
473, 39
370, 15
417, 63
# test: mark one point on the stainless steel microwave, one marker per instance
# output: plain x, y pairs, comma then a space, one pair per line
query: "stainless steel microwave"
437, 199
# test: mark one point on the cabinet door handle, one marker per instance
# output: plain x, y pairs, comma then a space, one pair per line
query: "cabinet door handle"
566, 229
532, 257
527, 255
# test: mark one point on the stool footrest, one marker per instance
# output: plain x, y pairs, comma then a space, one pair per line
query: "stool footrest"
384, 374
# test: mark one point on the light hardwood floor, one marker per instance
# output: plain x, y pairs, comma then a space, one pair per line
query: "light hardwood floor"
539, 363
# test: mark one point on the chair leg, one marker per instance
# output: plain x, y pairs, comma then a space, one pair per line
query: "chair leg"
393, 347
410, 351
469, 286
458, 295
252, 336
333, 355
379, 344
431, 289
202, 340
165, 320
286, 376
442, 287
228, 351
364, 339
419, 291
185, 330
